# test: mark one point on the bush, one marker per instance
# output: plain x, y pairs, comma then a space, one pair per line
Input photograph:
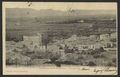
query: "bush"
91, 63
114, 60
98, 56
17, 59
109, 64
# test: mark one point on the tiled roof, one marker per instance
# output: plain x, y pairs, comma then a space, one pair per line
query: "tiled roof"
87, 42
32, 34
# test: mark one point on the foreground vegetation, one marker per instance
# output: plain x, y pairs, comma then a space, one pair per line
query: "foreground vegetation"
98, 57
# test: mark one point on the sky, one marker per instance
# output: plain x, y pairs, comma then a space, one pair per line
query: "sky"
63, 5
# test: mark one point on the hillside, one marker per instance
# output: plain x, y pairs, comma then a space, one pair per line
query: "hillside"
58, 23
56, 15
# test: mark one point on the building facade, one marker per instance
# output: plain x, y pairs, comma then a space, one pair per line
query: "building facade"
32, 41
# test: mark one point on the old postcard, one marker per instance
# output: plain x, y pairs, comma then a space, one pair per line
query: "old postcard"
59, 38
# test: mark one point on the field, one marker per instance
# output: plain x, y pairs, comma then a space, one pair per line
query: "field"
15, 31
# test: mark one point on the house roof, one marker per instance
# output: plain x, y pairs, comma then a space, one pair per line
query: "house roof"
82, 42
87, 42
32, 34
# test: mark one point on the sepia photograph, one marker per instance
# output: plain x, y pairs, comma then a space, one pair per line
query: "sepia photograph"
78, 38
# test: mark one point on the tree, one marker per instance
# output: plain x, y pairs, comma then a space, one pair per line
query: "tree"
46, 39
113, 40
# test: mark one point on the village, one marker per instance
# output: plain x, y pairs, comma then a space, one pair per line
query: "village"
78, 50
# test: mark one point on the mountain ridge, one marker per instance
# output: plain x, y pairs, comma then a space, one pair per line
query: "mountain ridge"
29, 13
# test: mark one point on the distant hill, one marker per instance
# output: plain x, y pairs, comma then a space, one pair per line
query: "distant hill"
28, 12
55, 16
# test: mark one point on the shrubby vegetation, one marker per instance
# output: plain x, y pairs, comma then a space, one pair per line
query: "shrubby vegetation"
97, 57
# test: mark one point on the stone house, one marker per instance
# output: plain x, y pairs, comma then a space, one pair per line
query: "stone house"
32, 41
104, 37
